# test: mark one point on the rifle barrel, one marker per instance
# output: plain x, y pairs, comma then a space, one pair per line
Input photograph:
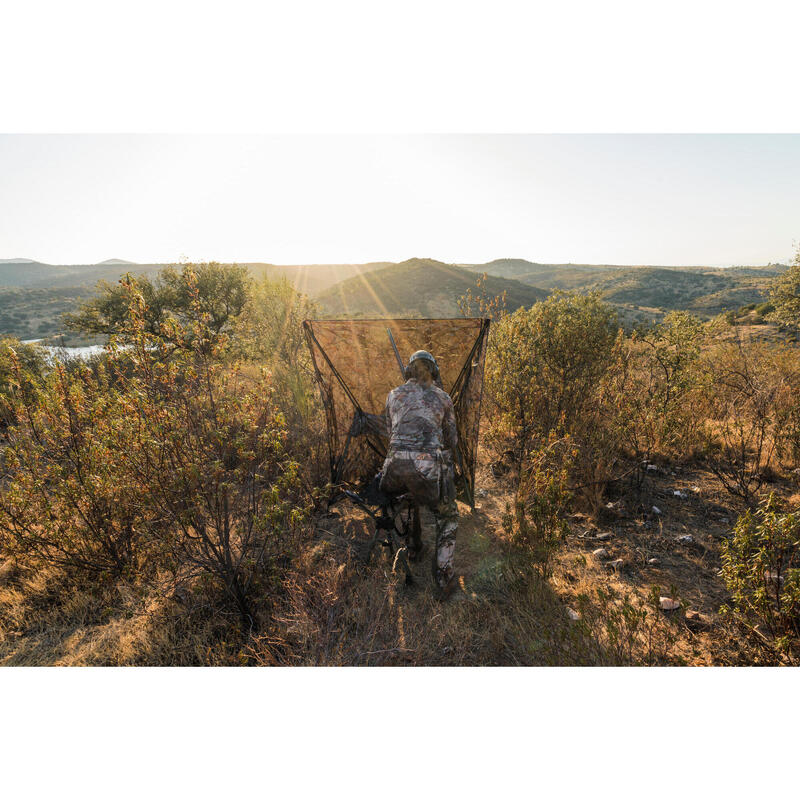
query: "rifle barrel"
397, 354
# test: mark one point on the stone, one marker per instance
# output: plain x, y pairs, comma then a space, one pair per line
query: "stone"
616, 564
573, 615
481, 493
668, 604
600, 553
686, 539
656, 510
681, 494
696, 621
653, 562
652, 468
603, 537
772, 578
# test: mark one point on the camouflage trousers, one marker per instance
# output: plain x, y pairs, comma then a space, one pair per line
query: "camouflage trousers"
428, 479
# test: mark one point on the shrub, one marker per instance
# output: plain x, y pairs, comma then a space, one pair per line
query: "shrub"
536, 526
624, 629
211, 292
65, 500
761, 568
547, 361
654, 386
546, 374
166, 456
785, 294
746, 404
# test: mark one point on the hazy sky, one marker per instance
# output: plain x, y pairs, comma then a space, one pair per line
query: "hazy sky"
626, 199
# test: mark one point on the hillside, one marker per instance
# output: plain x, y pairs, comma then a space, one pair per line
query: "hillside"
704, 291
543, 276
34, 295
419, 287
23, 273
312, 279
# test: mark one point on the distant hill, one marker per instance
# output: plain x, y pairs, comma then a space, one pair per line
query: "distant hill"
419, 287
544, 276
33, 294
311, 279
661, 288
37, 274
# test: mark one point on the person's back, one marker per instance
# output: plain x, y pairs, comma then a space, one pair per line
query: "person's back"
420, 418
422, 435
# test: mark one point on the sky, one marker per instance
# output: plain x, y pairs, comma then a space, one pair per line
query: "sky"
581, 198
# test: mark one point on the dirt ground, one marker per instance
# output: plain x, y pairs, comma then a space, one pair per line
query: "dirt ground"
335, 609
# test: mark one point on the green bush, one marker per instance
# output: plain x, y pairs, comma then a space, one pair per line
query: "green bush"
167, 458
536, 526
761, 568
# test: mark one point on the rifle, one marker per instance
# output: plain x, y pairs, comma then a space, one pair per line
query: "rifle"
457, 453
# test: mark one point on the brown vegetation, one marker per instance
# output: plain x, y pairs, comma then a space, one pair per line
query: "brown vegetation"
165, 504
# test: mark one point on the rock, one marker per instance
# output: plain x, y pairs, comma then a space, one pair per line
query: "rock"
726, 520
481, 493
603, 537
772, 578
696, 489
696, 621
656, 510
600, 553
573, 615
687, 538
653, 562
681, 494
652, 468
668, 604
616, 564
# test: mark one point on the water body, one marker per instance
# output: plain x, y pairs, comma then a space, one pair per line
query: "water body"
67, 353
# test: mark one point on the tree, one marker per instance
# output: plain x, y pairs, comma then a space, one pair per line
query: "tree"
65, 500
546, 376
785, 294
216, 293
546, 364
167, 458
747, 406
654, 385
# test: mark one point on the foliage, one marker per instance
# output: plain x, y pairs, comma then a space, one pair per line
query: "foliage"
536, 526
483, 302
546, 373
655, 383
213, 293
746, 405
22, 368
761, 568
168, 458
785, 294
212, 465
65, 499
624, 629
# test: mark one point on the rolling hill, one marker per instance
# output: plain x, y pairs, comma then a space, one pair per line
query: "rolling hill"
34, 295
25, 273
312, 279
419, 287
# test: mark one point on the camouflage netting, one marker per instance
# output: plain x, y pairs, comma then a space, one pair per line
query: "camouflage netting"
356, 369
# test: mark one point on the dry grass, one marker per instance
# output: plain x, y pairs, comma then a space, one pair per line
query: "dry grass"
333, 609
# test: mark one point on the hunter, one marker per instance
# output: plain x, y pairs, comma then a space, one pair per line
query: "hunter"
422, 439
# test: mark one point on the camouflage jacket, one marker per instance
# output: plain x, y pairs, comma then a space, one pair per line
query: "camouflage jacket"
421, 419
